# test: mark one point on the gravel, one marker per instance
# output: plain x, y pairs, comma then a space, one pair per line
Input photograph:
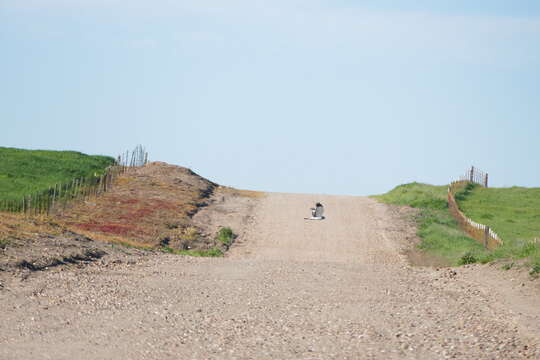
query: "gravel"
335, 289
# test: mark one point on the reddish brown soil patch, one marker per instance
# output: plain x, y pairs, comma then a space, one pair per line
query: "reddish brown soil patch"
151, 205
30, 244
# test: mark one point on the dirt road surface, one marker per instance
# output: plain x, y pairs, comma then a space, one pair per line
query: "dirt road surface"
289, 289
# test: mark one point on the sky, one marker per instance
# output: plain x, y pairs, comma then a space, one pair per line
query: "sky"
310, 96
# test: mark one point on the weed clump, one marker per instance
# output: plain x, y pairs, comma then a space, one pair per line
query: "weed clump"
4, 242
226, 237
171, 225
466, 191
467, 258
214, 252
535, 270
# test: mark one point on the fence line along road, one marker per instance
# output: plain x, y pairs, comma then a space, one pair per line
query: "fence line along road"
480, 232
57, 197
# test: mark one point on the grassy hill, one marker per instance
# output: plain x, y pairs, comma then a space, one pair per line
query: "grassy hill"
514, 213
27, 171
437, 228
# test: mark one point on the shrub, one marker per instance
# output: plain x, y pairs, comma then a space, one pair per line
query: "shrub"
462, 194
226, 236
535, 270
467, 258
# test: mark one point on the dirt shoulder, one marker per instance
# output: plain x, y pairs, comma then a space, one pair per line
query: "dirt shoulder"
228, 207
403, 230
147, 208
38, 244
514, 289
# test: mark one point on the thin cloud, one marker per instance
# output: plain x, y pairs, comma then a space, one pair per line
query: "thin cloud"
508, 41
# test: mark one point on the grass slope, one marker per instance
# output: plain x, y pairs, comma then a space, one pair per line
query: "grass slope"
437, 228
514, 214
23, 172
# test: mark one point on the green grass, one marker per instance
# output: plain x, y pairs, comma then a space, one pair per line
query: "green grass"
513, 213
225, 236
437, 229
24, 172
417, 195
215, 252
535, 270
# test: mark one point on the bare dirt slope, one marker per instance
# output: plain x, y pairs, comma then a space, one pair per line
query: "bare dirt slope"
290, 289
150, 206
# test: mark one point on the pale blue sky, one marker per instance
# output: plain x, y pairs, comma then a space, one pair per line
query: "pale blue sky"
341, 97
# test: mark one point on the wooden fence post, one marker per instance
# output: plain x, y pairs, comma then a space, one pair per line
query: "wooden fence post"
486, 236
49, 200
64, 199
54, 196
101, 185
471, 176
84, 188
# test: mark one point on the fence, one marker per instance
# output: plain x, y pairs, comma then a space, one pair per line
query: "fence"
479, 232
58, 196
137, 157
475, 176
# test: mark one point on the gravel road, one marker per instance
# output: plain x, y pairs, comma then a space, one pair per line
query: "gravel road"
289, 289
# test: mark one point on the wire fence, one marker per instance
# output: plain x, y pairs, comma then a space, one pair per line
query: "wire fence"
57, 197
482, 233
